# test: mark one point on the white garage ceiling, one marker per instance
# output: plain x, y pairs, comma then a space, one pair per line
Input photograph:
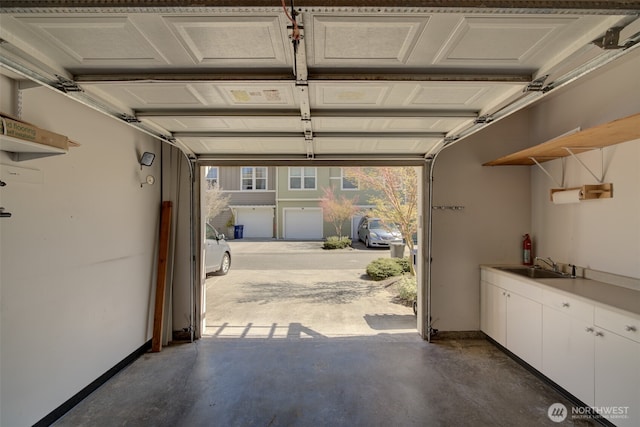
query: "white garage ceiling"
362, 80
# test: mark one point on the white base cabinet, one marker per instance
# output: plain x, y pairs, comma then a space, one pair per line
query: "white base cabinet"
512, 319
567, 353
524, 329
493, 312
591, 350
617, 367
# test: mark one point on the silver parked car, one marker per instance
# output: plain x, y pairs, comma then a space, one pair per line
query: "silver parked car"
217, 253
376, 232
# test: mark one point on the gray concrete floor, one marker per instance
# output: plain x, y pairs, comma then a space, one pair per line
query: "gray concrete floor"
298, 347
386, 380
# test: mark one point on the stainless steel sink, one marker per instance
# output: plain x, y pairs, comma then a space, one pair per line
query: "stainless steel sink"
534, 273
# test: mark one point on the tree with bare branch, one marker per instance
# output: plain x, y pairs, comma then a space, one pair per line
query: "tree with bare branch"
214, 201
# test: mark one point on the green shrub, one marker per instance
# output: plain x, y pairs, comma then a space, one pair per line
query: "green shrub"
335, 242
383, 268
408, 288
405, 263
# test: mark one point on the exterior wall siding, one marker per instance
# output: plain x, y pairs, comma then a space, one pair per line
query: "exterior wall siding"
229, 178
284, 192
221, 223
252, 198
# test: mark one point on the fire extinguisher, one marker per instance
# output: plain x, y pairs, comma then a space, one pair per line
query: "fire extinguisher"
526, 250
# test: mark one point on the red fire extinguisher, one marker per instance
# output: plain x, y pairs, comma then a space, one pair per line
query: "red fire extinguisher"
526, 250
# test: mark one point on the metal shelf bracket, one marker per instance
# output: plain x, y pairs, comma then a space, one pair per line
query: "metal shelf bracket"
600, 178
555, 181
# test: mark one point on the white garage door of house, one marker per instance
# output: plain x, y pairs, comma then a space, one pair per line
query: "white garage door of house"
303, 223
257, 222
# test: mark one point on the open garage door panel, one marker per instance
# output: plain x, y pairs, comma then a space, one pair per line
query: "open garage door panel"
361, 80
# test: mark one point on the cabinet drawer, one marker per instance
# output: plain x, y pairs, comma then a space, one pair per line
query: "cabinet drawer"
571, 306
618, 323
523, 288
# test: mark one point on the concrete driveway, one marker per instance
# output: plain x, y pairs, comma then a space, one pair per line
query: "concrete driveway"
279, 289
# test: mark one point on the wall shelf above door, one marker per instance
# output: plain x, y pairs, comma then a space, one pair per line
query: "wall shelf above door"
611, 133
21, 149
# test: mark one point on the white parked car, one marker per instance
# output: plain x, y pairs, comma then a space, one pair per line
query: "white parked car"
217, 253
376, 232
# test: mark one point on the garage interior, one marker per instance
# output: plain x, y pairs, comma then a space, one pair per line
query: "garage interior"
443, 85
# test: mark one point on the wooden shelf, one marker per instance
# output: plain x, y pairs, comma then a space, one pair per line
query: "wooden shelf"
27, 150
611, 133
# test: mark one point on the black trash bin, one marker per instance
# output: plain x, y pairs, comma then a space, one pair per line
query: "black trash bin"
238, 231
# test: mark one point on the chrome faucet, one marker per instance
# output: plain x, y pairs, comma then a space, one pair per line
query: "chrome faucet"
551, 263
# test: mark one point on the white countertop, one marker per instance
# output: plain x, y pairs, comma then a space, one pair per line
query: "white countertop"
600, 292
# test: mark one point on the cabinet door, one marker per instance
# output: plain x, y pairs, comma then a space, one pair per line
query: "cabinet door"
568, 353
524, 329
493, 309
617, 376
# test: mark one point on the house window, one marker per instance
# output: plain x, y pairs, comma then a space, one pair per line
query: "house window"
302, 178
254, 178
348, 182
211, 175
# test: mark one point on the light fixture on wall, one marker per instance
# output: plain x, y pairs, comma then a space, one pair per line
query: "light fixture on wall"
4, 214
147, 159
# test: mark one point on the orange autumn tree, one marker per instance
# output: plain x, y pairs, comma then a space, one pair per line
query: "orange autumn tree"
396, 196
337, 209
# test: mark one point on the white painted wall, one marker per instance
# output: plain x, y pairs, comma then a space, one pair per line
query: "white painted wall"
502, 203
497, 209
77, 257
605, 234
598, 234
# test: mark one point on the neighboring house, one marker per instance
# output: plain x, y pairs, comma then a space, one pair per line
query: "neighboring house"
283, 202
299, 193
252, 200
